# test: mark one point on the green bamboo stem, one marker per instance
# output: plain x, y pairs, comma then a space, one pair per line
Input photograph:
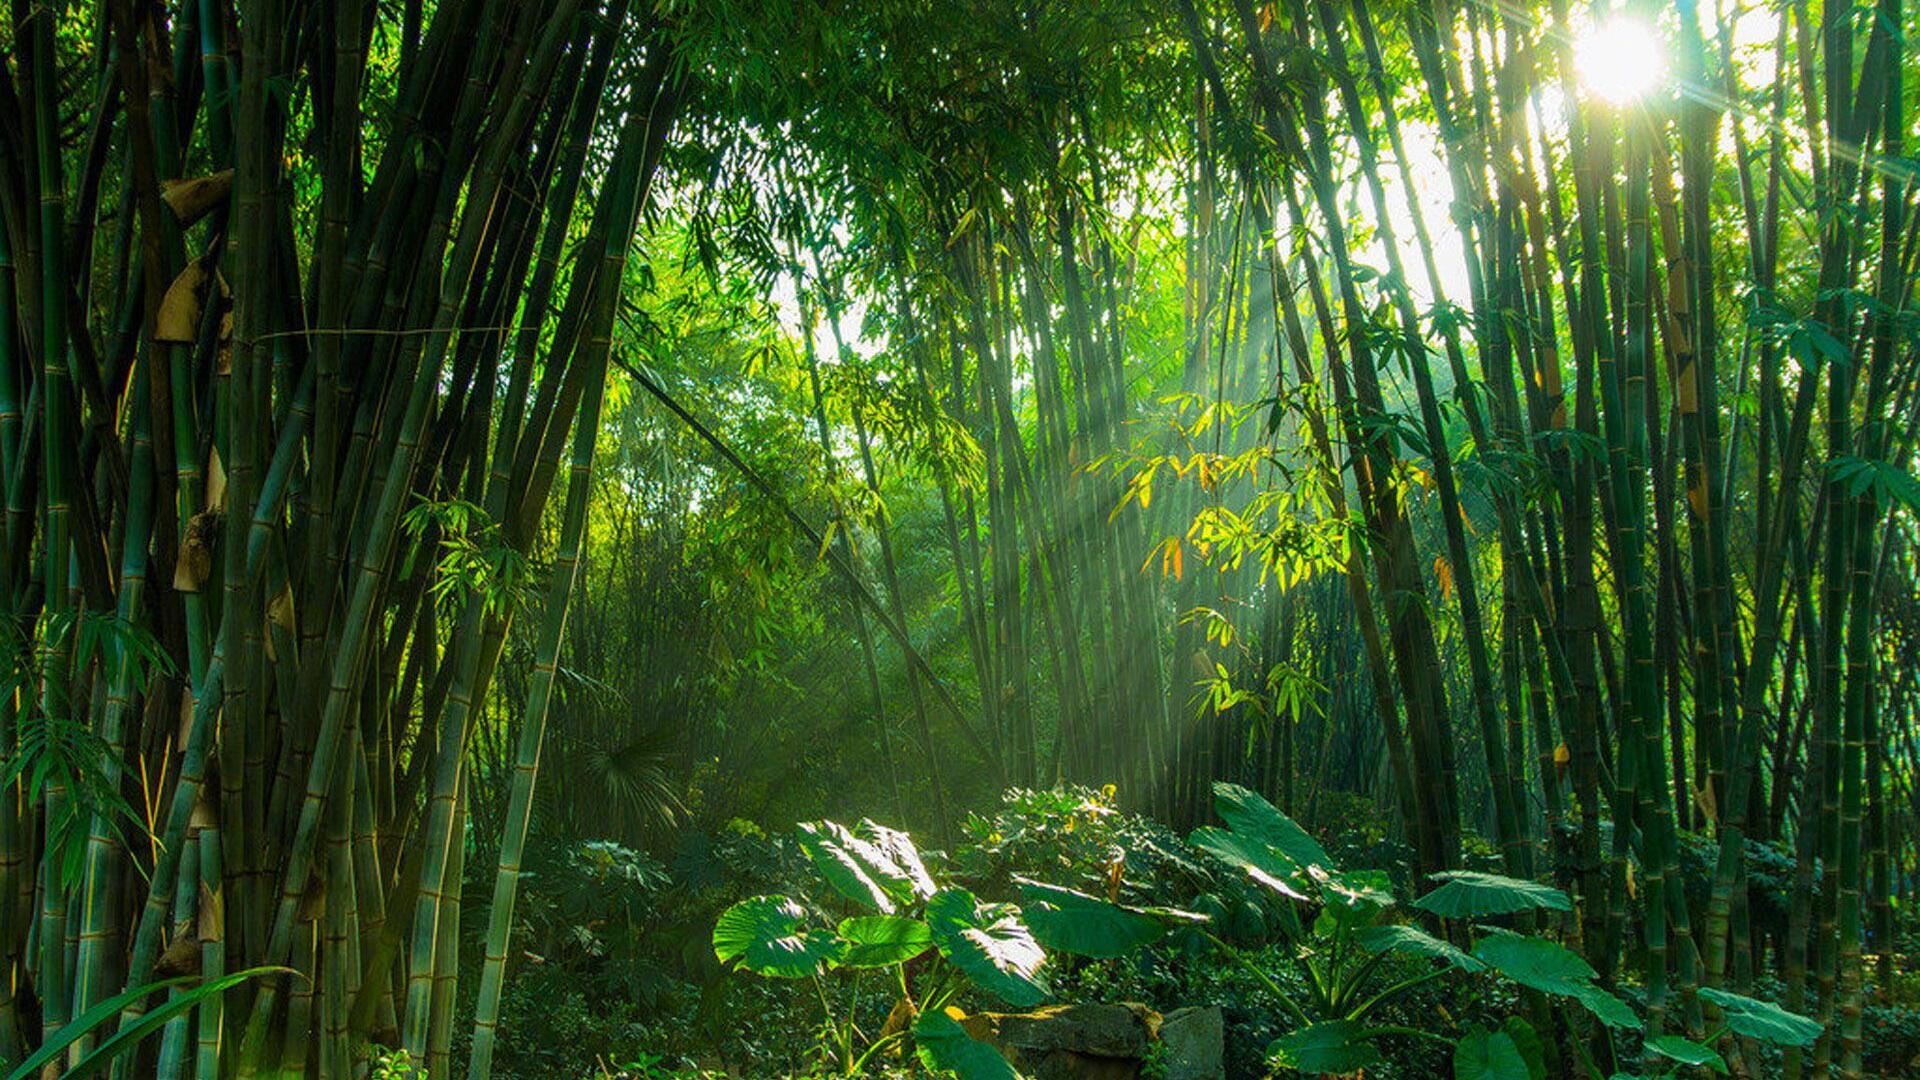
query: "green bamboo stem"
93, 975
34, 27
177, 1034
339, 951
211, 929
1508, 822
372, 570
621, 208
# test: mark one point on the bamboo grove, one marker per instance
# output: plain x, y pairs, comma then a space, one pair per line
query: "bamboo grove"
1312, 394
342, 314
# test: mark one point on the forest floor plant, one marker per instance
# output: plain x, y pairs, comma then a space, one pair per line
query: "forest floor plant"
997, 948
1339, 951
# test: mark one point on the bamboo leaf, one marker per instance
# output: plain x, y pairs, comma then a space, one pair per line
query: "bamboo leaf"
128, 1038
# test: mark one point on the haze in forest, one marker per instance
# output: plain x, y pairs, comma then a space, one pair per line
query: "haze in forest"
640, 539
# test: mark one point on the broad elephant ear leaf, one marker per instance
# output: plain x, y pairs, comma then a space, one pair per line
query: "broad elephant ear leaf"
1248, 814
1764, 1020
906, 869
944, 1046
1469, 894
1552, 968
990, 944
768, 936
1489, 1055
1532, 1047
1612, 1011
1534, 962
1083, 925
1411, 940
856, 868
1354, 900
1262, 862
877, 941
1688, 1052
1331, 1046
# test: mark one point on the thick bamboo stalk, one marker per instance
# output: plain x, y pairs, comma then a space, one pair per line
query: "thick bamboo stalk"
622, 207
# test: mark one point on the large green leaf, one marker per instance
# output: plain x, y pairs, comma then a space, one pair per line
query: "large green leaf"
944, 1046
1331, 1046
1688, 1052
1351, 901
1412, 939
1261, 861
1083, 925
1532, 1047
1248, 814
990, 944
1489, 1055
1552, 968
1611, 1010
1544, 965
1364, 891
1469, 894
858, 869
1764, 1020
904, 868
767, 935
883, 940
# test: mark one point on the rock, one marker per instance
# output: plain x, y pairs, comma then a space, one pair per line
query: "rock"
1106, 1042
1070, 1042
1193, 1043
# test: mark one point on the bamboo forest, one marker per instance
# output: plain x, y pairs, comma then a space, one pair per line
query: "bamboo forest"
977, 539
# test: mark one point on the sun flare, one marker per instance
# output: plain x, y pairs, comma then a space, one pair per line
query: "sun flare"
1619, 61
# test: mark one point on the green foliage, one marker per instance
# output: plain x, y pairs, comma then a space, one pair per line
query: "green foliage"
1076, 836
1892, 1040
1762, 1020
1329, 1046
1338, 952
1687, 1052
1551, 968
599, 912
879, 873
126, 1039
881, 941
1888, 483
988, 946
388, 1064
1073, 922
944, 1046
991, 944
1254, 818
767, 935
54, 751
1490, 1055
474, 558
1399, 937
1469, 894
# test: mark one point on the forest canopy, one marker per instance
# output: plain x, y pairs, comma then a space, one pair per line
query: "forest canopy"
1384, 527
